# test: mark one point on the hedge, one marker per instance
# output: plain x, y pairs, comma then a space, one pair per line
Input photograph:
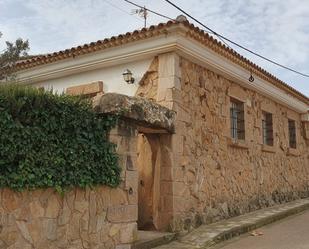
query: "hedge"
50, 140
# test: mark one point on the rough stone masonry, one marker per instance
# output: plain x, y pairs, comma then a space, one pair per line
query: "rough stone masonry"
201, 174
214, 177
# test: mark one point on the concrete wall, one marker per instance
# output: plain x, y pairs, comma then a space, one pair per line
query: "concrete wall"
215, 178
98, 218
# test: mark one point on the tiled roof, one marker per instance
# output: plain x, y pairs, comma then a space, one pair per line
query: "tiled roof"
155, 30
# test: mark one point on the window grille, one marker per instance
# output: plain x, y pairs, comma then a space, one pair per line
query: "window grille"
292, 134
237, 120
267, 126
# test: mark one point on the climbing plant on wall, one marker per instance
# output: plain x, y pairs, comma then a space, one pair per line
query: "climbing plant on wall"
49, 140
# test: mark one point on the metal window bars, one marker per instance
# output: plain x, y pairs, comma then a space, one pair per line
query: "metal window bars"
267, 128
292, 134
237, 120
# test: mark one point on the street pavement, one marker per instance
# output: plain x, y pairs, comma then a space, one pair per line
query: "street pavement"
289, 233
293, 233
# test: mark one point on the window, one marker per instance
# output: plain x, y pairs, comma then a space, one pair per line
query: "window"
292, 134
237, 120
267, 126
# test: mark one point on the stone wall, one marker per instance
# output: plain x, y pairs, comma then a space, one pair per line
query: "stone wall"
149, 83
212, 177
215, 178
199, 174
98, 218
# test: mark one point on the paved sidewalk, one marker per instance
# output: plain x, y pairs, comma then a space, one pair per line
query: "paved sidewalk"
289, 233
208, 235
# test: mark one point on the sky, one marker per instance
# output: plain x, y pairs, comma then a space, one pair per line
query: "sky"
277, 29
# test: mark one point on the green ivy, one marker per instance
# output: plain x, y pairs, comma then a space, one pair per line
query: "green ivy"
49, 140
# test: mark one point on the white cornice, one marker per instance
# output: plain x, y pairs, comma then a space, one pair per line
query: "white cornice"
206, 57
102, 59
175, 40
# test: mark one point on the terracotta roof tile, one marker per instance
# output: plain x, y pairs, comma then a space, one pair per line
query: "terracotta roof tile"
194, 32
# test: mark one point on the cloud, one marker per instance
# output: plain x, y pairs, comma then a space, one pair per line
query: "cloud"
276, 29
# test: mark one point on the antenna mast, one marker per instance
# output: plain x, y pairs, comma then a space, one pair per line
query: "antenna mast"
142, 12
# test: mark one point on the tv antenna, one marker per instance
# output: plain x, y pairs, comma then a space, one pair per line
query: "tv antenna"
141, 12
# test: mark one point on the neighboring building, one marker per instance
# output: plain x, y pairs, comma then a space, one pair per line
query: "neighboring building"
238, 145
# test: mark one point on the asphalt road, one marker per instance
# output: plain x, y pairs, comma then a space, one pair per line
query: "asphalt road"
289, 233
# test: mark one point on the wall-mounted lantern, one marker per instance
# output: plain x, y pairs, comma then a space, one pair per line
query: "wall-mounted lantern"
251, 78
127, 76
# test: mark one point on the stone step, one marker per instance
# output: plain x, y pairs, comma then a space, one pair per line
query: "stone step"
151, 239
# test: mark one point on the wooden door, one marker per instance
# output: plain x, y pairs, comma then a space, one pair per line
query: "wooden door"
148, 164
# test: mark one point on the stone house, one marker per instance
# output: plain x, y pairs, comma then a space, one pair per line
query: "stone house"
226, 145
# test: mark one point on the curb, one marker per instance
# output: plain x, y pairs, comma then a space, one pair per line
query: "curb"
154, 242
236, 231
207, 236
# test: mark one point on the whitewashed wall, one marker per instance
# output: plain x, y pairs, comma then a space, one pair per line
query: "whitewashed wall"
111, 76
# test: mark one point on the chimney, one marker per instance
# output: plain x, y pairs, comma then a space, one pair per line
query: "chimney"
181, 18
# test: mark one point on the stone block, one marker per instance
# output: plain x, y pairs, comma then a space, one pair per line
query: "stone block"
161, 93
64, 214
166, 83
24, 231
169, 94
70, 198
122, 213
50, 229
180, 127
131, 162
74, 226
124, 246
114, 230
10, 200
166, 173
182, 114
92, 227
36, 209
180, 189
103, 199
177, 144
37, 229
81, 206
101, 221
131, 185
237, 92
168, 104
131, 180
90, 89
182, 204
166, 187
128, 233
118, 196
139, 111
25, 214
165, 220
178, 172
306, 129
8, 238
167, 203
53, 207
169, 65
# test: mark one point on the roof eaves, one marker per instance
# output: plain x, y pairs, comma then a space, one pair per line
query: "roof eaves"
195, 32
